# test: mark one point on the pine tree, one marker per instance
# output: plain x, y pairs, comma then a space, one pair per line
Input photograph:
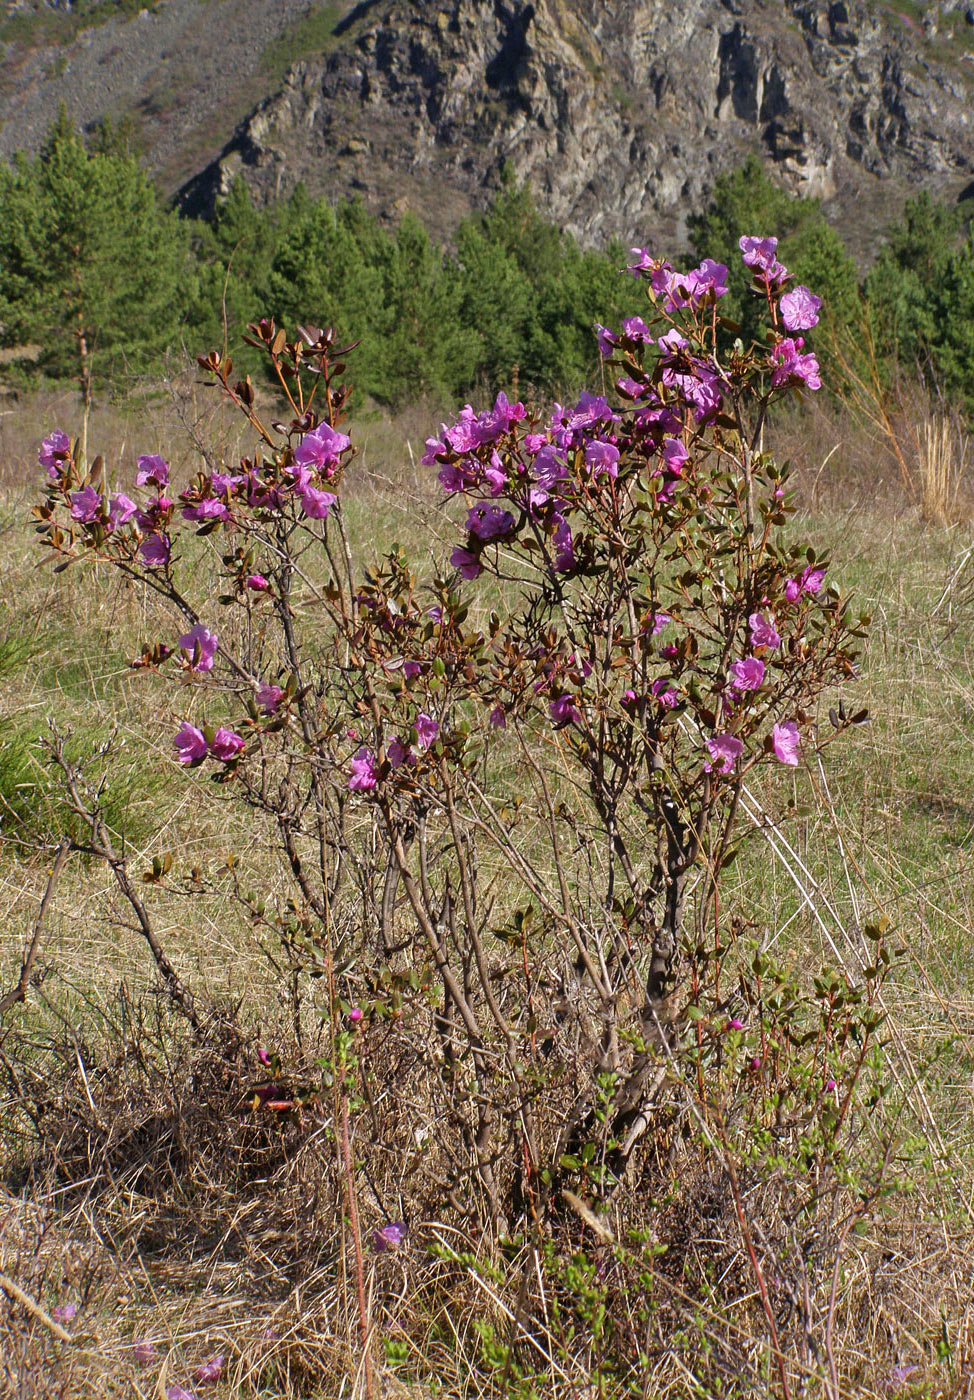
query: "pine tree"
91, 268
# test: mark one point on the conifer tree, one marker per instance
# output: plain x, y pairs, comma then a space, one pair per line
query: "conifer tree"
92, 270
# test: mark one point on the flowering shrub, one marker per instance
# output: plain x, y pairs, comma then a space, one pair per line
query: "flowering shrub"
621, 637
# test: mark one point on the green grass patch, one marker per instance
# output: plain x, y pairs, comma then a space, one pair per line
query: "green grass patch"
308, 37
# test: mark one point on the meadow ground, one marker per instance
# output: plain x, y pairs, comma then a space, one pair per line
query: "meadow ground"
157, 1237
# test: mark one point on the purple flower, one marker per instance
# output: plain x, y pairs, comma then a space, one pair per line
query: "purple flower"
208, 509
363, 778
747, 674
222, 483
602, 457
564, 549
55, 453
489, 522
660, 620
65, 1312
758, 252
210, 1370
799, 309
201, 646
607, 341
355, 1015
120, 509
435, 448
674, 455
143, 1352
190, 742
226, 745
269, 697
397, 753
320, 450
786, 740
809, 581
789, 366
152, 469
564, 711
734, 1024
590, 409
317, 504
763, 632
389, 1237
666, 694
644, 261
257, 583
155, 550
178, 1392
468, 564
635, 328
548, 468
85, 505
498, 719
426, 731
724, 750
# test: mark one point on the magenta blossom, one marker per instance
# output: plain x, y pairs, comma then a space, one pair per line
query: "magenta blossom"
389, 1237
178, 1392
789, 366
65, 1313
426, 731
809, 581
602, 457
747, 674
489, 522
120, 509
155, 550
321, 449
724, 750
152, 469
190, 743
257, 583
468, 564
269, 697
799, 309
606, 340
226, 745
397, 753
666, 694
564, 711
758, 253
317, 504
201, 645
787, 741
635, 328
86, 505
355, 1015
55, 453
363, 777
763, 632
208, 509
564, 548
210, 1370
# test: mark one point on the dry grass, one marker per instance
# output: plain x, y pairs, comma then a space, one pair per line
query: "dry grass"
142, 1186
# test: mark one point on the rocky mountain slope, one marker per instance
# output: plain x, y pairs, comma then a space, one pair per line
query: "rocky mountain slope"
619, 112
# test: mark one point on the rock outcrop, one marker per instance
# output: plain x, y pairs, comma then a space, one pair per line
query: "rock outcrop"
620, 113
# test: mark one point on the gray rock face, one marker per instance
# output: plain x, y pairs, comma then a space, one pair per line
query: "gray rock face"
619, 112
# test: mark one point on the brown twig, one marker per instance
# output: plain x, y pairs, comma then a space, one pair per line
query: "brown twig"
19, 992
35, 1309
